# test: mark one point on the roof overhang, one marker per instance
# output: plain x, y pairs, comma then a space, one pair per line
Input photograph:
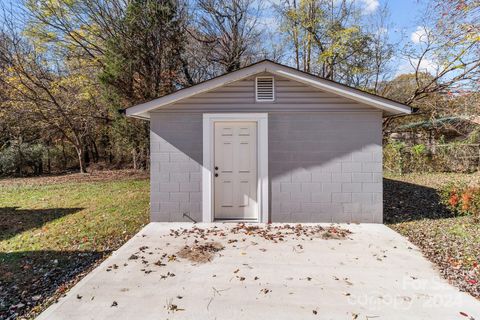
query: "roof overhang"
388, 106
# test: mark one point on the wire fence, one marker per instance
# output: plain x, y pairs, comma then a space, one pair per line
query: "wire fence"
452, 157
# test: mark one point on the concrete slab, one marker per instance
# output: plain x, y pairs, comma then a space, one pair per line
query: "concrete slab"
375, 274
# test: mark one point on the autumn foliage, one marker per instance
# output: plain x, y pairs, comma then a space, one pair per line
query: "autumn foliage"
462, 199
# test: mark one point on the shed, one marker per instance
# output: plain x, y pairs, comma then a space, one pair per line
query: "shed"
267, 143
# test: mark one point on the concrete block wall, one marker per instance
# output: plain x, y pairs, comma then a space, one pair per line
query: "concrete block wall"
326, 167
323, 167
176, 170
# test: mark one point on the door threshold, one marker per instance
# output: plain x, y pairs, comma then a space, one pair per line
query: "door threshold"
236, 220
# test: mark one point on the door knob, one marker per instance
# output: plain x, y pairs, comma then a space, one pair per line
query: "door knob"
216, 168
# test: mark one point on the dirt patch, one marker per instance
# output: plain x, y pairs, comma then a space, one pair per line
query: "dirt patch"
200, 253
335, 233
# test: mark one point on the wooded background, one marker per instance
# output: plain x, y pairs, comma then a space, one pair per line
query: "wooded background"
68, 66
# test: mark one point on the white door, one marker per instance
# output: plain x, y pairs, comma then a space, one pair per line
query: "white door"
235, 170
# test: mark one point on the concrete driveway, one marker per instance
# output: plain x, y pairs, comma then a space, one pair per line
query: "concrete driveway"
279, 273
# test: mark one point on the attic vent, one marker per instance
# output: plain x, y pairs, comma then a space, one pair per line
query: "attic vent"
264, 89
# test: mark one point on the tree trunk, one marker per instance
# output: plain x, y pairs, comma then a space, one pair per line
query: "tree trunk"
134, 157
81, 163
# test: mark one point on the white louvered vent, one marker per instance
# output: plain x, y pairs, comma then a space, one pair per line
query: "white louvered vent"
264, 88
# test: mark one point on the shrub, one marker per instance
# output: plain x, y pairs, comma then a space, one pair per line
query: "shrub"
462, 199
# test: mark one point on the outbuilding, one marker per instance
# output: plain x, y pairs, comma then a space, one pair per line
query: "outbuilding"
267, 143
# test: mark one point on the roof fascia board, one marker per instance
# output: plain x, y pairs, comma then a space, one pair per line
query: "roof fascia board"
389, 106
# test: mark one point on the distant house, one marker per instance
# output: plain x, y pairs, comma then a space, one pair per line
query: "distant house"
267, 143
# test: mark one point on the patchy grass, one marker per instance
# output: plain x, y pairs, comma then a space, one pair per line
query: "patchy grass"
413, 208
52, 234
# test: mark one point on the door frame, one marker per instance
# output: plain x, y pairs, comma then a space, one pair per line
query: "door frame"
209, 119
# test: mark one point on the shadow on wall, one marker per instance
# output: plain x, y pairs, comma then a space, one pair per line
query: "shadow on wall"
14, 220
296, 142
29, 278
403, 201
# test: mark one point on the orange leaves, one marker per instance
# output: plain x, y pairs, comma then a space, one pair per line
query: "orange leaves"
463, 199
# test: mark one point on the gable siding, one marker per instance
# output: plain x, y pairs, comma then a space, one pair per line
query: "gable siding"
289, 95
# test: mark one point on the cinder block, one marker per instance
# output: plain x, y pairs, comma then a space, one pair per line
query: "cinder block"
321, 197
331, 187
311, 207
179, 196
289, 207
169, 207
169, 187
321, 177
275, 187
332, 167
351, 167
320, 217
362, 197
352, 187
377, 177
361, 156
377, 197
280, 196
362, 177
353, 208
290, 187
196, 197
311, 187
179, 157
179, 177
195, 177
372, 187
190, 186
301, 175
299, 196
160, 157
375, 167
341, 197
164, 146
342, 177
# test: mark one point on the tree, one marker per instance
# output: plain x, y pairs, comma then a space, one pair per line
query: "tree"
135, 46
330, 38
227, 32
47, 91
447, 46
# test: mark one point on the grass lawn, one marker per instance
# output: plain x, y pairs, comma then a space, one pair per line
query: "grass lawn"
53, 232
412, 207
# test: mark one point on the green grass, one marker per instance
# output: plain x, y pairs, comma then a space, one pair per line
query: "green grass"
84, 216
51, 233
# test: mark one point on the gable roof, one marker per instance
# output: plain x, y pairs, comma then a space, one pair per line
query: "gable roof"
390, 107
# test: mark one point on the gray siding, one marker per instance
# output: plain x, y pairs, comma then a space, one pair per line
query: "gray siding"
324, 166
240, 96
